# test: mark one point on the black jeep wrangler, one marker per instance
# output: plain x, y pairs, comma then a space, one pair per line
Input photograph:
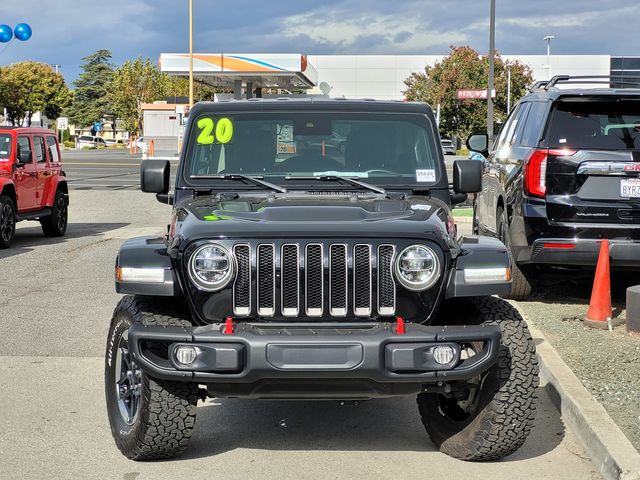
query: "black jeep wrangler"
291, 270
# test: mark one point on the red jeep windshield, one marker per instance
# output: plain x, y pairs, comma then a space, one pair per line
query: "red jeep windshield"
5, 146
597, 124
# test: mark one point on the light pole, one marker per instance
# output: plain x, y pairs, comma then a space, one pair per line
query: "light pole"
190, 53
548, 39
492, 48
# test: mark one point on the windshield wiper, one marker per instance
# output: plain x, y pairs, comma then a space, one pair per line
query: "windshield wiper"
338, 178
247, 178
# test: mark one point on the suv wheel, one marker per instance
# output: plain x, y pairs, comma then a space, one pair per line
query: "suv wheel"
520, 285
494, 415
55, 225
149, 418
7, 221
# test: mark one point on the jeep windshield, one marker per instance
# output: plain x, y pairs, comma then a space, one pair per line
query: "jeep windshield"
607, 123
5, 146
302, 147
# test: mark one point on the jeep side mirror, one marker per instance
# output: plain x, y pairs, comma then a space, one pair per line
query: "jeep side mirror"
154, 176
467, 176
24, 156
479, 142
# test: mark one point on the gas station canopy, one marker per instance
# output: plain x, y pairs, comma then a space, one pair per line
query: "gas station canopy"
285, 71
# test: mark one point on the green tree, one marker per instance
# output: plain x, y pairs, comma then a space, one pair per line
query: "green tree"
136, 82
29, 87
179, 87
91, 101
464, 68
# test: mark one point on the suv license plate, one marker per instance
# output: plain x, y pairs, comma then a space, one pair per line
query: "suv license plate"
630, 188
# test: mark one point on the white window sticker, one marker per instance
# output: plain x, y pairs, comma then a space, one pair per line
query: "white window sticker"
426, 175
421, 206
562, 140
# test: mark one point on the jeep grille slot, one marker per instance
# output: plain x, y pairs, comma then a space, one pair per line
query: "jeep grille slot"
338, 280
266, 280
242, 285
314, 280
386, 284
290, 281
362, 280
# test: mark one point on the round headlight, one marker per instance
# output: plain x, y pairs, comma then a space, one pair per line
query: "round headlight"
417, 267
211, 267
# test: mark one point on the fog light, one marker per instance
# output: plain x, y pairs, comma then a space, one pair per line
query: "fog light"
185, 355
443, 354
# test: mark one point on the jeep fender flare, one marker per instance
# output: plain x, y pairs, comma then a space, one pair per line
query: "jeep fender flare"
480, 253
9, 189
143, 267
58, 183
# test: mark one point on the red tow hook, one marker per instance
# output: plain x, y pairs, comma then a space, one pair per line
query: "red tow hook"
400, 326
228, 326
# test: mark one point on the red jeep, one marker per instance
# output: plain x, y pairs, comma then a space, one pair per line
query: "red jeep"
32, 183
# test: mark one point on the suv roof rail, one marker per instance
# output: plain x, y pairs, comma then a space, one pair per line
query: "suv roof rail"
539, 84
619, 80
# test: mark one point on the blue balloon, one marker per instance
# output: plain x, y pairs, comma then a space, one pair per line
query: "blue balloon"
6, 34
22, 32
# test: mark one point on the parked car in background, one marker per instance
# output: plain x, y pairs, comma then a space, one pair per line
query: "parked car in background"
113, 141
447, 147
563, 174
89, 141
32, 183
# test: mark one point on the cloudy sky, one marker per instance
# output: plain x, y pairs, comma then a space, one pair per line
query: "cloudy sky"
67, 30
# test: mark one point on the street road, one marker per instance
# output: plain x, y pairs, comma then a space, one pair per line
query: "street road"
56, 302
105, 169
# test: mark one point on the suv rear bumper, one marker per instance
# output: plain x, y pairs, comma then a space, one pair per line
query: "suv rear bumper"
584, 252
306, 351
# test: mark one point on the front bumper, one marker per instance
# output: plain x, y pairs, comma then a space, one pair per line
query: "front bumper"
311, 351
584, 252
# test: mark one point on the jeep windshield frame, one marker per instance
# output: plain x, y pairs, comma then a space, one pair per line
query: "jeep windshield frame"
394, 149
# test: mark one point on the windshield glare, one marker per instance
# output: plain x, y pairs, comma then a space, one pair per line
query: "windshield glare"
383, 148
596, 124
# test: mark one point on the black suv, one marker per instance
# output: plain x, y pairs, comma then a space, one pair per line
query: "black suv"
564, 174
293, 271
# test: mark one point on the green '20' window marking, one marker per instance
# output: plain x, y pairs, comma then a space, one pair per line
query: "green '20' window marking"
223, 131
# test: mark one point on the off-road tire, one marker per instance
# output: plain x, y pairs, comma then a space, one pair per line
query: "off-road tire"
508, 399
55, 225
167, 409
521, 285
7, 221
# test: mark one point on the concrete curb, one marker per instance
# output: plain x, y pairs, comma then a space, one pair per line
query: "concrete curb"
604, 442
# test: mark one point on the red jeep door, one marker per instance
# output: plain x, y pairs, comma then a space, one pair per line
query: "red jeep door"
25, 175
42, 169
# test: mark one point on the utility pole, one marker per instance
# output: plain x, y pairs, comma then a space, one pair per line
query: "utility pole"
190, 53
492, 49
548, 39
57, 66
508, 89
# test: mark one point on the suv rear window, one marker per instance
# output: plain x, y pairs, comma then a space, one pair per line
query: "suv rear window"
5, 146
588, 122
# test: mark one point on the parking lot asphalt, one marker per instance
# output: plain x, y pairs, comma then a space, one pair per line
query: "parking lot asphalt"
57, 300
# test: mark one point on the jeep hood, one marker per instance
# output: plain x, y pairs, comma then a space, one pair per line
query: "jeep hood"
302, 216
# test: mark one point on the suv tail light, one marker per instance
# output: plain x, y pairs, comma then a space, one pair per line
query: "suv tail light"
535, 170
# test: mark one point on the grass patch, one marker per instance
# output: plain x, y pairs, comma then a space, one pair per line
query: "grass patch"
463, 212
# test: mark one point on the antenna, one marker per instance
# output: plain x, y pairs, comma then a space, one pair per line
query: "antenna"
325, 88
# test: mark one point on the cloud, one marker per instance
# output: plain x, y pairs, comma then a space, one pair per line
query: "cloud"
66, 30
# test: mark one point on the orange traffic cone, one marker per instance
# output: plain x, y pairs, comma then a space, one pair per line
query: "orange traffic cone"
600, 312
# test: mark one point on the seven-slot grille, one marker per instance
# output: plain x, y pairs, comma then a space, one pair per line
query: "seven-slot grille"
314, 280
